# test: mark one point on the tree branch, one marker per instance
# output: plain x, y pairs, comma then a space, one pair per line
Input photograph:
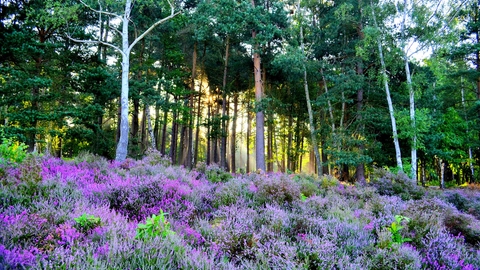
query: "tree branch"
172, 14
99, 11
95, 42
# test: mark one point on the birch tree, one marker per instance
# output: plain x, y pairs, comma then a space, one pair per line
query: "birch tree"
420, 25
398, 154
124, 49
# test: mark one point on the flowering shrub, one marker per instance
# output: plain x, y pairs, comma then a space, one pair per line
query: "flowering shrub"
278, 188
221, 221
389, 183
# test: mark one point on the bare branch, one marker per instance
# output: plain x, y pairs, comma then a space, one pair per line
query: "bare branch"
100, 11
95, 42
172, 14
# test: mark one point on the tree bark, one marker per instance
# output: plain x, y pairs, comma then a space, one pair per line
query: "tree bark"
164, 133
249, 134
156, 129
309, 105
396, 143
234, 134
197, 130
173, 144
260, 119
223, 147
209, 136
151, 132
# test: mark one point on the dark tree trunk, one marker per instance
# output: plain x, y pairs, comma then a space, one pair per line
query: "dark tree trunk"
135, 126
156, 128
143, 130
270, 144
297, 146
173, 144
249, 134
209, 135
234, 133
223, 145
164, 133
290, 152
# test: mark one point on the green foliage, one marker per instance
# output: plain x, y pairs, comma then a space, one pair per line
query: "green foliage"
328, 181
11, 151
156, 225
215, 174
396, 227
308, 185
86, 222
423, 120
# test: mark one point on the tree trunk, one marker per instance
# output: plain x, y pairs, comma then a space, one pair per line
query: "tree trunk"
442, 173
189, 160
411, 96
223, 147
122, 147
234, 134
249, 134
156, 129
173, 144
297, 145
164, 133
290, 152
143, 130
309, 105
197, 130
260, 119
269, 143
119, 120
151, 132
398, 154
209, 136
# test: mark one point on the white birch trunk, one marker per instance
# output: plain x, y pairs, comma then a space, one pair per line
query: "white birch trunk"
122, 146
411, 93
398, 154
412, 119
124, 50
442, 173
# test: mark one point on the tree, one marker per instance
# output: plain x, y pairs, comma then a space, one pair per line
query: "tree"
307, 95
398, 155
124, 49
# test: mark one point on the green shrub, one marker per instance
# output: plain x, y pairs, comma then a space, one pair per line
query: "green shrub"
11, 151
395, 229
215, 174
154, 226
86, 223
328, 181
308, 185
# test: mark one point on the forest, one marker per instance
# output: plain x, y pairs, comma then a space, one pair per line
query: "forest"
325, 87
234, 134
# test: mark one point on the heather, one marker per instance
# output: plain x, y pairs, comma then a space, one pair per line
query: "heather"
147, 214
